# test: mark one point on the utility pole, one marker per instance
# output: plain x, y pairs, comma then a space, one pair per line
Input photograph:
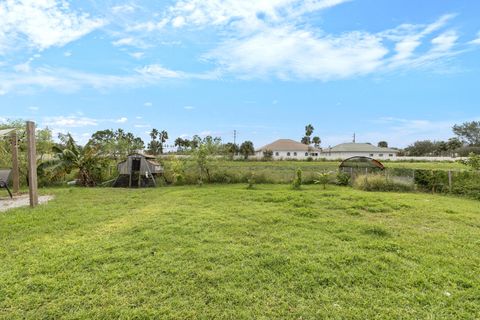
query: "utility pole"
235, 137
354, 138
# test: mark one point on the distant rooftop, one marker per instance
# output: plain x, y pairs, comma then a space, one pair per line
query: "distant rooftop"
286, 145
359, 147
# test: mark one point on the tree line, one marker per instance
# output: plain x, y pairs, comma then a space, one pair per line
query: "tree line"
91, 163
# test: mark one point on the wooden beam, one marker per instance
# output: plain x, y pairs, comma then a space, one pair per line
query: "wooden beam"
32, 164
15, 170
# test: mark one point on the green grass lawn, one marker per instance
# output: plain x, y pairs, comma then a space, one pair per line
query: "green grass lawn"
224, 252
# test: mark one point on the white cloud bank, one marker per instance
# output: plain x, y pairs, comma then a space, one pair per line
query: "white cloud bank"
42, 23
260, 39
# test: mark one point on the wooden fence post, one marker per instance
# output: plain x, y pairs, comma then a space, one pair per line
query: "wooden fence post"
450, 180
15, 170
32, 164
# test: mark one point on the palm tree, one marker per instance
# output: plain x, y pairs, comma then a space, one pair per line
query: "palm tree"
316, 141
309, 130
69, 156
154, 134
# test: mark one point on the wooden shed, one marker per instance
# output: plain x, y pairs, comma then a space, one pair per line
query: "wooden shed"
138, 171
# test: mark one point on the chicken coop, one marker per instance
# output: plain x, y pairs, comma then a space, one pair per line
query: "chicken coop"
138, 171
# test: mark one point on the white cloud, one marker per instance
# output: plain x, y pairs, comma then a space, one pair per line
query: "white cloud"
123, 42
67, 80
445, 41
148, 104
137, 55
43, 23
290, 53
123, 9
295, 52
22, 67
69, 121
189, 107
33, 108
142, 126
121, 120
249, 14
130, 41
477, 40
156, 70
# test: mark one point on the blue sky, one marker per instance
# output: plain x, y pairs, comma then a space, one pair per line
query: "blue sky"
392, 70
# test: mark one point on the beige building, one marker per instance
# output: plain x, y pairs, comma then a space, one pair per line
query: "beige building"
284, 149
348, 150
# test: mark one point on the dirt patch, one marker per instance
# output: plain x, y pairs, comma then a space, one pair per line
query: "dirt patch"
20, 201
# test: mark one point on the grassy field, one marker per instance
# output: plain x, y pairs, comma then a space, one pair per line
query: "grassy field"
224, 252
334, 164
223, 171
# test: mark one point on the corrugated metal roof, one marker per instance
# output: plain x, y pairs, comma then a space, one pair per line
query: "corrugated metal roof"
360, 147
287, 145
4, 132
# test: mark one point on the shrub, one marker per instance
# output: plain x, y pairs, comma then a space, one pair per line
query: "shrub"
431, 180
343, 179
267, 155
251, 181
467, 184
473, 161
324, 178
381, 183
297, 181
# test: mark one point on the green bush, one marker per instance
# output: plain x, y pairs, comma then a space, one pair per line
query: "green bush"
343, 179
297, 181
382, 183
432, 180
467, 184
323, 178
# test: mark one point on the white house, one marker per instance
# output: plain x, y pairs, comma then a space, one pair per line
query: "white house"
288, 149
348, 150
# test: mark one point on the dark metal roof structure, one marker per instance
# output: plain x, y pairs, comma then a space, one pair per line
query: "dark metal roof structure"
362, 162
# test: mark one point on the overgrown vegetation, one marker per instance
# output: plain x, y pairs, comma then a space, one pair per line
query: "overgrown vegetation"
380, 182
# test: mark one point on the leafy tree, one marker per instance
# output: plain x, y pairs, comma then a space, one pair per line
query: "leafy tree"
231, 149
441, 148
468, 132
204, 155
454, 144
116, 144
316, 141
88, 161
420, 148
383, 144
267, 155
182, 144
247, 149
473, 161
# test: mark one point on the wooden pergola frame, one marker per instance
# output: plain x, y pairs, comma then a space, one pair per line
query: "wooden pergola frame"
32, 163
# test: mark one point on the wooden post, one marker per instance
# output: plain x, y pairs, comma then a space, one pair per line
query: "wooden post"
450, 180
15, 170
32, 164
